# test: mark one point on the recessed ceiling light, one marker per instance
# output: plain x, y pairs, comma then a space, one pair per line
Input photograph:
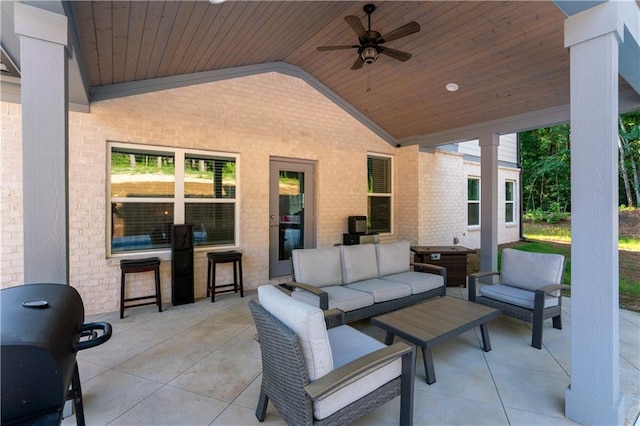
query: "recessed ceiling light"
217, 1
452, 87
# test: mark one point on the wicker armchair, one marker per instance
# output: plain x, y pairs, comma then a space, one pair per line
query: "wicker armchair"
325, 377
529, 289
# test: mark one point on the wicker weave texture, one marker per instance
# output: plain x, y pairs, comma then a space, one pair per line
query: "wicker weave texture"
518, 312
391, 305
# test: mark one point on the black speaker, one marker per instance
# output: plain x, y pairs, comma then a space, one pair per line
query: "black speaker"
181, 264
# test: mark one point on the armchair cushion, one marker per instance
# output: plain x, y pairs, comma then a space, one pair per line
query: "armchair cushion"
358, 263
418, 281
515, 296
530, 271
349, 344
307, 322
393, 258
317, 267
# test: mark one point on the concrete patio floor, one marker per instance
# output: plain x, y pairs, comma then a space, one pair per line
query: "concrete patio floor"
198, 364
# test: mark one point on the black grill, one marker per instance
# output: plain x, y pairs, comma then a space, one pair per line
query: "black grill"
42, 328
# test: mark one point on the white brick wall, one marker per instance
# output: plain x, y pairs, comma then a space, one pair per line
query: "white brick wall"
257, 117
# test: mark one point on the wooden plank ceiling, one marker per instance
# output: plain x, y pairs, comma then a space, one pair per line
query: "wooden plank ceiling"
507, 57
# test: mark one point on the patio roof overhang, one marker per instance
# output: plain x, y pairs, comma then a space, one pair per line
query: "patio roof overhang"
508, 58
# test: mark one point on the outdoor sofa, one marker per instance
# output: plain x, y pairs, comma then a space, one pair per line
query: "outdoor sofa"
363, 280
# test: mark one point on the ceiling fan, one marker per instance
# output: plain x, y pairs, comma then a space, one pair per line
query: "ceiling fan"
371, 42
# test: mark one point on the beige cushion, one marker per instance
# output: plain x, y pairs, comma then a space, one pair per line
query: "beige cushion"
348, 344
516, 296
317, 267
307, 322
418, 281
382, 290
340, 297
393, 258
530, 271
358, 263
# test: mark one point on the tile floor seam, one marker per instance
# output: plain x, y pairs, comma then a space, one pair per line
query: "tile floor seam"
493, 380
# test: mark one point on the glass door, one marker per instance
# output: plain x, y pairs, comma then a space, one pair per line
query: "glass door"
291, 213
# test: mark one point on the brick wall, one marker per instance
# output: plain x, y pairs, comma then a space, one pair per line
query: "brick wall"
257, 117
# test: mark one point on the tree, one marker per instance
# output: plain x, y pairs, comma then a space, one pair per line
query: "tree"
629, 147
546, 164
545, 156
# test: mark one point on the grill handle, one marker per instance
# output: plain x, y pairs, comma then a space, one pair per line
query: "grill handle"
89, 329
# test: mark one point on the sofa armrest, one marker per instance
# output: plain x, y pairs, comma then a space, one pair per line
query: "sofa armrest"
429, 268
439, 270
361, 367
472, 282
322, 295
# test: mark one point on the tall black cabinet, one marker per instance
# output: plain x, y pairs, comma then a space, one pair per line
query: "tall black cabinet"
181, 264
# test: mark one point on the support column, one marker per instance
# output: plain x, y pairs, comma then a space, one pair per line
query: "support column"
43, 60
593, 396
489, 202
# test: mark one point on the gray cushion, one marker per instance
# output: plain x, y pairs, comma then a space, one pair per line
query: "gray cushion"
418, 281
308, 324
530, 271
349, 344
393, 258
358, 263
382, 290
317, 267
340, 297
515, 296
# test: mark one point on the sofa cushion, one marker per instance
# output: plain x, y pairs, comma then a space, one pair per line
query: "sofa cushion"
340, 297
358, 263
317, 267
530, 271
515, 296
382, 290
308, 324
393, 258
348, 344
419, 281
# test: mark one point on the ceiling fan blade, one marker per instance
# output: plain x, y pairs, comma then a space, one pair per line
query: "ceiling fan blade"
327, 48
358, 63
355, 23
395, 54
405, 30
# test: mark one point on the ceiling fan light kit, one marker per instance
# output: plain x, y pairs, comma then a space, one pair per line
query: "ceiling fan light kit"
370, 43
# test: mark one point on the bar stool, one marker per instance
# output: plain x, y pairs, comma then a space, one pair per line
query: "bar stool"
214, 258
132, 266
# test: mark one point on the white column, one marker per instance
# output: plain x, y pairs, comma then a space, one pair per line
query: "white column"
489, 202
593, 396
43, 60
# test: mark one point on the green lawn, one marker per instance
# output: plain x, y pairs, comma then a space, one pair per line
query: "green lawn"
556, 238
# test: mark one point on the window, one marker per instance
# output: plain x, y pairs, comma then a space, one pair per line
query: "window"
380, 194
509, 204
473, 201
153, 188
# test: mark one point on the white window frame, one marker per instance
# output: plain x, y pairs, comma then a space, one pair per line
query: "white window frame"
469, 225
179, 200
389, 195
510, 202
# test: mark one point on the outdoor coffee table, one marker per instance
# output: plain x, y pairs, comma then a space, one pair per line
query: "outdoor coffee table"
434, 322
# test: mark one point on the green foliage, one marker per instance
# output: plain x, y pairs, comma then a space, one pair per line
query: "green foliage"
546, 162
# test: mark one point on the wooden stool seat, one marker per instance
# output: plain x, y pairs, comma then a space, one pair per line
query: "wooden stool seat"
214, 258
132, 266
